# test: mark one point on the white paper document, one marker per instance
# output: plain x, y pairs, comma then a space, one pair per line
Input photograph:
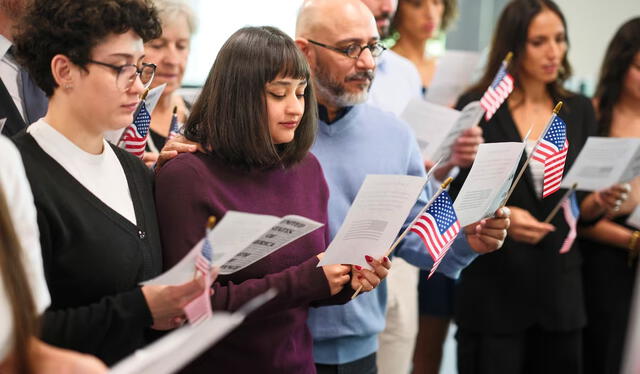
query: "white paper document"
454, 74
175, 350
374, 219
150, 102
239, 240
603, 162
488, 181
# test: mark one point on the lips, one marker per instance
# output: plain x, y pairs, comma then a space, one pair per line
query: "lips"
289, 125
549, 69
131, 106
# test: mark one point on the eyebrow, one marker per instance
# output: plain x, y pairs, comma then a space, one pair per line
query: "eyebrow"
356, 40
126, 56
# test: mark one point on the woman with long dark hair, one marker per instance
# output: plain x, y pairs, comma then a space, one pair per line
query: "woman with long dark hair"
521, 309
611, 247
256, 119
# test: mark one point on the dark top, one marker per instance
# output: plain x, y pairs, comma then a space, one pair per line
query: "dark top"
523, 285
275, 339
93, 257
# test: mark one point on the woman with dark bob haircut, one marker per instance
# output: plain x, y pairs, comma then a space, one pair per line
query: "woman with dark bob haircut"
521, 309
611, 246
256, 117
96, 214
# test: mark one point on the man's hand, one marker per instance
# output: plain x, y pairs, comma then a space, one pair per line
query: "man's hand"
173, 147
488, 235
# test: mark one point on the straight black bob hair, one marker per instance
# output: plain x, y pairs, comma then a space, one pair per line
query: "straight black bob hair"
229, 118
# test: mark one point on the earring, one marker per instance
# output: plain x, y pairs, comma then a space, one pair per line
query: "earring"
68, 86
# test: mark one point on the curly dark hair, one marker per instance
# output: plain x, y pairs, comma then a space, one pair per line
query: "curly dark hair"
73, 28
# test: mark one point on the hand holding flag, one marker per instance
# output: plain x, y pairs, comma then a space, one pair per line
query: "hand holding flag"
199, 309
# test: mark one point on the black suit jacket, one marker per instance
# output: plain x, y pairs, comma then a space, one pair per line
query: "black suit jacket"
523, 285
8, 110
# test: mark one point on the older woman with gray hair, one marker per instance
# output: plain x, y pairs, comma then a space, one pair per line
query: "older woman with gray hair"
170, 53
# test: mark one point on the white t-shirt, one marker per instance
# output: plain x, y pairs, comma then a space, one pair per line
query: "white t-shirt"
23, 214
536, 168
101, 174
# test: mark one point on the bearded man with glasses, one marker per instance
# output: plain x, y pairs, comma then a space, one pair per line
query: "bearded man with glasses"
341, 42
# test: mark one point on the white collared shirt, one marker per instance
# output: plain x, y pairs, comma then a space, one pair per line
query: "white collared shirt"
10, 75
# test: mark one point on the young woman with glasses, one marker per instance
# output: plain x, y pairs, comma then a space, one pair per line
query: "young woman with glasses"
97, 219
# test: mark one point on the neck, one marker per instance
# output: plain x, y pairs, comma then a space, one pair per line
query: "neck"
332, 110
61, 118
534, 91
165, 102
6, 26
628, 105
411, 48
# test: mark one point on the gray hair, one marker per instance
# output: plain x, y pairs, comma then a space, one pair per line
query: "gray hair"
168, 10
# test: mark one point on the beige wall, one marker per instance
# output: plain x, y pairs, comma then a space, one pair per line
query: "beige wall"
592, 24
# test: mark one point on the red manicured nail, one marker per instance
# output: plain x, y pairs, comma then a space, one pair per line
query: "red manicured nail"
358, 267
368, 258
359, 277
385, 259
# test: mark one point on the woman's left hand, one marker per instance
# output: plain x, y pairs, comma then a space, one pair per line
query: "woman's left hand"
370, 279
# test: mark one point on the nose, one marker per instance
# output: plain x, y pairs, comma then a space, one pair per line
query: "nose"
295, 106
386, 6
555, 50
137, 87
170, 57
365, 60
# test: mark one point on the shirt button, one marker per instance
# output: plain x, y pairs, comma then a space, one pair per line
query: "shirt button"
141, 234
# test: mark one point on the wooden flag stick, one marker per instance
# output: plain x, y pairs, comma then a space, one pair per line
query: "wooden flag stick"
559, 205
433, 168
135, 114
211, 222
443, 186
508, 58
526, 163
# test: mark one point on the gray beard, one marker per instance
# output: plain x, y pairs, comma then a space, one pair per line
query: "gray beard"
334, 92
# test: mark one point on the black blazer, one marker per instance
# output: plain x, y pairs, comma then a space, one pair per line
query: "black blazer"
522, 285
8, 110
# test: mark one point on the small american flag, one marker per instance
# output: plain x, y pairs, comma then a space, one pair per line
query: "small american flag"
571, 214
497, 92
174, 128
199, 309
438, 227
135, 136
552, 152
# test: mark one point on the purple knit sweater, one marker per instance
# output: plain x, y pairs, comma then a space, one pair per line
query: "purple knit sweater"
275, 339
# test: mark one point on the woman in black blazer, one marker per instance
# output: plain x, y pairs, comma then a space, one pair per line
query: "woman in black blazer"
521, 309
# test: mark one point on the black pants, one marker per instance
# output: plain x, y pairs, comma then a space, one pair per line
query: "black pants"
533, 351
365, 365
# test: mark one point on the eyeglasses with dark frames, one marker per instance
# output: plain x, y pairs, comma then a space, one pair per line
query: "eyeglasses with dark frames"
354, 50
127, 74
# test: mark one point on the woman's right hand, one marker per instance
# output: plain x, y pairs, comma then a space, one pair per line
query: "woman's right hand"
166, 303
526, 228
337, 275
